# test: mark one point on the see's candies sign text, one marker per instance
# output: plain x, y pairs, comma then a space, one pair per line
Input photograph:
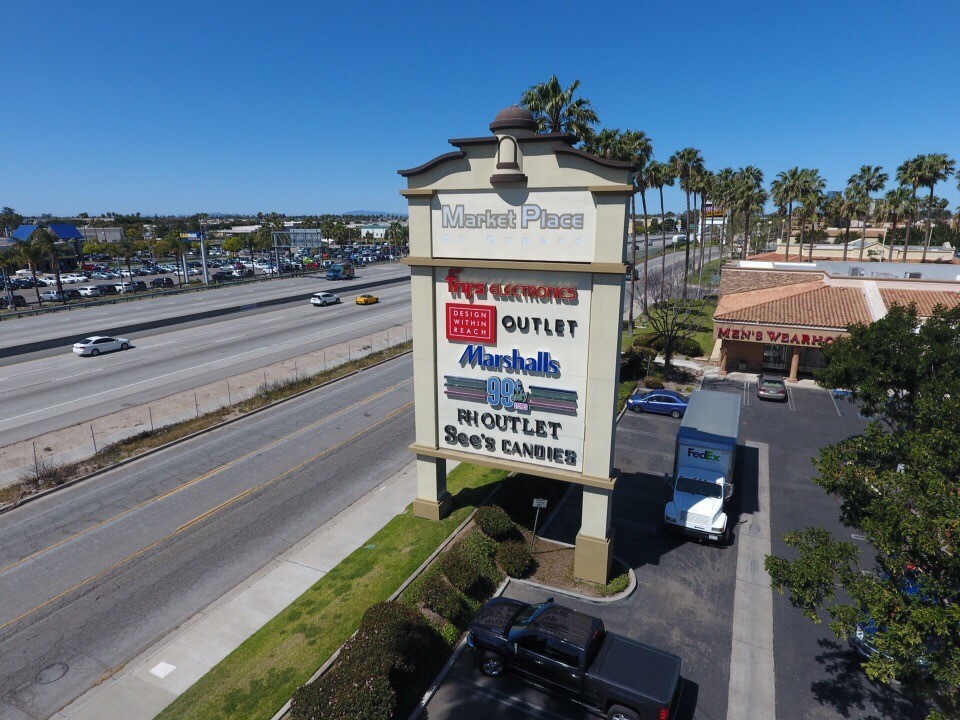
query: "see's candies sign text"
472, 323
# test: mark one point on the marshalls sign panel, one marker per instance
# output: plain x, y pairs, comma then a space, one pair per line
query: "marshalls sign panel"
512, 363
515, 225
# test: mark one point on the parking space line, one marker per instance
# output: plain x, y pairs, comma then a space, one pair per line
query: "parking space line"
790, 402
746, 393
835, 405
644, 432
752, 688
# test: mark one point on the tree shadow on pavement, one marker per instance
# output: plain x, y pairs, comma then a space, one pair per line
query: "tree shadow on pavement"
850, 692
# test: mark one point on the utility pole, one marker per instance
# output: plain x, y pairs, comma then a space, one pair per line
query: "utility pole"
203, 254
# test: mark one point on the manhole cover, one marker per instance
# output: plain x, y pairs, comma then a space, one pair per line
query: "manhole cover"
52, 673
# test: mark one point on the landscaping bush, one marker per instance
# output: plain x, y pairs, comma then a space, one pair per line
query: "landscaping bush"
684, 346
515, 558
495, 522
648, 340
445, 600
469, 568
653, 382
633, 364
382, 671
689, 347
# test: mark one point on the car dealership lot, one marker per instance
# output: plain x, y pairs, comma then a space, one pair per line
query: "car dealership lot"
684, 601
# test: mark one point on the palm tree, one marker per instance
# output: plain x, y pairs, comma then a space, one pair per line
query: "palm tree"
932, 169
898, 204
560, 111
178, 247
639, 151
685, 164
855, 202
47, 243
786, 189
869, 179
748, 197
658, 175
908, 174
722, 188
31, 255
702, 182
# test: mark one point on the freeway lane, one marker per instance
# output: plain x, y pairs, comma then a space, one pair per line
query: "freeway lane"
41, 395
96, 319
94, 574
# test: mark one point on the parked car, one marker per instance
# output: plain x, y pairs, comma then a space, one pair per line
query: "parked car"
223, 276
243, 272
90, 291
123, 287
367, 300
771, 387
96, 344
322, 299
570, 653
161, 282
52, 295
661, 402
18, 301
106, 289
139, 286
71, 294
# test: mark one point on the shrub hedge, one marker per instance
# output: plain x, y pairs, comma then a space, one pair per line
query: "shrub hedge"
653, 382
684, 346
382, 671
515, 558
469, 567
445, 600
495, 522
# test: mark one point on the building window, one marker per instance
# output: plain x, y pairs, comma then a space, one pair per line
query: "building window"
775, 357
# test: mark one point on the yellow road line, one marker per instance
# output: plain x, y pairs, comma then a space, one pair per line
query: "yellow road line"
207, 514
200, 478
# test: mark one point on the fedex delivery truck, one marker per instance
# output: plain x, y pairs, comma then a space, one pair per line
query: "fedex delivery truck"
703, 466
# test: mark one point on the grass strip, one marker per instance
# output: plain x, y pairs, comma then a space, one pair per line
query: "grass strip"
257, 678
47, 474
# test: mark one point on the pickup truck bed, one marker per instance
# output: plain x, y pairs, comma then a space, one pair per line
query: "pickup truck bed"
635, 667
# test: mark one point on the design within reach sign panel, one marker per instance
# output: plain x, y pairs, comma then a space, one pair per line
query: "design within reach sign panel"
512, 350
514, 225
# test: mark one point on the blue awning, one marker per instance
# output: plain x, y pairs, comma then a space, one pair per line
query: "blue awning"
65, 231
24, 232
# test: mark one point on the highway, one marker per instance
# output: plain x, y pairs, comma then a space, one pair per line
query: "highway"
49, 393
92, 575
98, 320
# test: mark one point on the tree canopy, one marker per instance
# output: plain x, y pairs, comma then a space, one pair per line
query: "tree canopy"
899, 486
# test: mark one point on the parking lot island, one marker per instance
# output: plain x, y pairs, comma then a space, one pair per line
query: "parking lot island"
517, 256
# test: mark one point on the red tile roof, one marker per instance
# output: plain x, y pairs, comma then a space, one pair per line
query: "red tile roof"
815, 305
925, 300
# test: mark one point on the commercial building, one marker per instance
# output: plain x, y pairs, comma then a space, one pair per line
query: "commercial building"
775, 316
377, 232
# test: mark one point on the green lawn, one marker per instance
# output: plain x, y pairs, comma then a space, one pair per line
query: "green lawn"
257, 678
703, 316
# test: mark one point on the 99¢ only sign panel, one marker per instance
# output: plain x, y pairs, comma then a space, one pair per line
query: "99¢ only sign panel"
512, 364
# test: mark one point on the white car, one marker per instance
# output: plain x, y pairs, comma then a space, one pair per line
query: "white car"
96, 344
322, 299
124, 287
90, 291
73, 279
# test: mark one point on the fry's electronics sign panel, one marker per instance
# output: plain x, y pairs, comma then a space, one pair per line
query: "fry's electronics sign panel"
512, 364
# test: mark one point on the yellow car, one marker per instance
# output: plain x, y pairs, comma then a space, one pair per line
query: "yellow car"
367, 299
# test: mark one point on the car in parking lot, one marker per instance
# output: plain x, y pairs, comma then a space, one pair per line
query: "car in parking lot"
71, 294
18, 301
660, 402
107, 289
90, 291
571, 653
138, 286
161, 282
771, 387
367, 300
52, 295
96, 344
322, 299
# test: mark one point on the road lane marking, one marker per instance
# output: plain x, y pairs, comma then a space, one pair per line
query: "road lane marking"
835, 405
210, 513
217, 361
204, 476
752, 689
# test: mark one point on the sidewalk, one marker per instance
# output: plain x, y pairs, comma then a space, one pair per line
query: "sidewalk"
154, 679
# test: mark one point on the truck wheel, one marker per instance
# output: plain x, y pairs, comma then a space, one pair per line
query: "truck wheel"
675, 414
619, 712
491, 664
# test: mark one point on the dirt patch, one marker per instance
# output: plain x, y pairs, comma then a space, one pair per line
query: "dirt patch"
555, 569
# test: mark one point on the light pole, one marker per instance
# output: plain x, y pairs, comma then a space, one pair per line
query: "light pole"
203, 254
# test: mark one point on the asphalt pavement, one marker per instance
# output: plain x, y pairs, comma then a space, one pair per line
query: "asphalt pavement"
50, 393
92, 575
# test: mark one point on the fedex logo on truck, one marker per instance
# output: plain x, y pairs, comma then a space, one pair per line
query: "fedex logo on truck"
708, 455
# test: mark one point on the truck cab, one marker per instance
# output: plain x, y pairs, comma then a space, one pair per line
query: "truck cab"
704, 463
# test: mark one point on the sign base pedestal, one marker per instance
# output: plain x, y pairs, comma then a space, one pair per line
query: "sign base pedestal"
592, 559
433, 509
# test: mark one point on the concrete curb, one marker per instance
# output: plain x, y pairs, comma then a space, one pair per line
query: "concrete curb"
580, 596
44, 493
14, 350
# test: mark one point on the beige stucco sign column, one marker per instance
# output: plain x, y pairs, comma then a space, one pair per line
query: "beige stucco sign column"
517, 259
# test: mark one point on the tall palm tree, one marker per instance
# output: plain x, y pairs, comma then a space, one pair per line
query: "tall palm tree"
786, 189
748, 197
685, 164
722, 187
559, 110
47, 243
658, 175
639, 150
898, 204
703, 183
855, 202
31, 255
869, 179
932, 169
809, 191
908, 174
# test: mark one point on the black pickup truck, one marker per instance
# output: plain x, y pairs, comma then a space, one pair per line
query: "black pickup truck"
567, 652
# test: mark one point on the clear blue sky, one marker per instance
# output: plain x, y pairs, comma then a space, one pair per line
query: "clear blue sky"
179, 107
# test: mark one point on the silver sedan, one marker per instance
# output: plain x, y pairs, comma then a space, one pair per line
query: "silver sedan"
96, 344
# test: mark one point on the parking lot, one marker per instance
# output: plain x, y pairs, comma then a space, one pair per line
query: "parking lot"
684, 601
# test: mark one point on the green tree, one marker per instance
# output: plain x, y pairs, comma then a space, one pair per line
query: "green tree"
233, 244
31, 254
786, 189
10, 220
658, 175
869, 179
10, 262
47, 243
178, 246
929, 170
685, 164
748, 198
898, 204
854, 203
898, 486
559, 110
